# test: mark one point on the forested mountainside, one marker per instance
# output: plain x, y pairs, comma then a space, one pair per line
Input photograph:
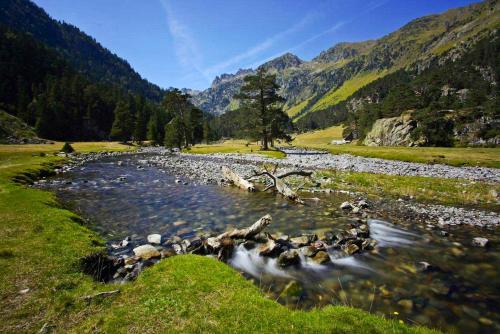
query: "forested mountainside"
43, 89
337, 73
455, 99
83, 52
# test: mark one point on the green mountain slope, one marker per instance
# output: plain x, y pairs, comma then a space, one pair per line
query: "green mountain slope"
82, 51
340, 71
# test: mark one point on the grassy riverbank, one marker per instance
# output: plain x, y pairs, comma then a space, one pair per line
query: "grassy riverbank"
454, 156
455, 192
234, 146
40, 251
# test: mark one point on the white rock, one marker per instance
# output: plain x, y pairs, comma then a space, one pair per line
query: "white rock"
146, 252
480, 242
154, 239
346, 206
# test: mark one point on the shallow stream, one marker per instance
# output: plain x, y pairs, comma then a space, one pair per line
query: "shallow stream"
460, 292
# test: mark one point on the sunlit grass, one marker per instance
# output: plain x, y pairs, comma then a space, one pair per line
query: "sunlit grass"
319, 137
423, 189
235, 146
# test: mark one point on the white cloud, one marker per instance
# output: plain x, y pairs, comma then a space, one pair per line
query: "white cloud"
259, 48
185, 46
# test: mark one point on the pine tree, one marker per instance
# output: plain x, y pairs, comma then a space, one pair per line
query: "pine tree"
174, 134
123, 123
141, 120
156, 127
262, 104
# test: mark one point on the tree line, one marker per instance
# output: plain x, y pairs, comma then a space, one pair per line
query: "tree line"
40, 87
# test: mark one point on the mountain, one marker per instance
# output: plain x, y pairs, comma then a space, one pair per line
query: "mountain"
82, 51
337, 73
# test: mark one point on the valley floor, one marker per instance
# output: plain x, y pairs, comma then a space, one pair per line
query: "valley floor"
43, 289
453, 156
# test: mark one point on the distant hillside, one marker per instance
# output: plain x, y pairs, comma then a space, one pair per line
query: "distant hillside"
455, 99
15, 131
340, 71
86, 55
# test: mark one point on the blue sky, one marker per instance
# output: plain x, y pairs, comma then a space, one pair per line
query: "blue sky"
186, 43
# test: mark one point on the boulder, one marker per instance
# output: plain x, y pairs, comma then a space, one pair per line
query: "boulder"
270, 248
480, 242
154, 239
351, 249
394, 131
289, 258
146, 252
303, 240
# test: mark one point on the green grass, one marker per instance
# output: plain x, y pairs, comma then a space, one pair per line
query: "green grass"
453, 156
422, 189
296, 109
348, 88
319, 137
13, 126
234, 146
41, 247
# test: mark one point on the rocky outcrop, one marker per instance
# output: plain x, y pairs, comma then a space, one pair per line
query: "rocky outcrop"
394, 131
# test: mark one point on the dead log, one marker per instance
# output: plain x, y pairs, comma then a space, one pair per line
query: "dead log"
248, 232
220, 241
237, 180
280, 185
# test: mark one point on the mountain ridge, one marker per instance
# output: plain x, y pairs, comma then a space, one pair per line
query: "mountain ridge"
308, 86
81, 50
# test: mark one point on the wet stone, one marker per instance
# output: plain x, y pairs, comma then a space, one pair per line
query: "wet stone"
321, 257
480, 242
288, 258
146, 252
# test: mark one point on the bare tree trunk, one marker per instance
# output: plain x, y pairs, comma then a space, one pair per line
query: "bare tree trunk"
281, 186
248, 232
237, 180
222, 241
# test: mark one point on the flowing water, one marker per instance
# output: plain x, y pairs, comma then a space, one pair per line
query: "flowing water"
462, 295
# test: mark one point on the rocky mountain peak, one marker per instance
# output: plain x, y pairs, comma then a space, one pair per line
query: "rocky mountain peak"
282, 62
228, 77
343, 51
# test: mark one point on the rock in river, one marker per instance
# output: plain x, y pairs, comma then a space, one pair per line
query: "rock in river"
288, 258
346, 206
146, 252
154, 239
321, 257
480, 242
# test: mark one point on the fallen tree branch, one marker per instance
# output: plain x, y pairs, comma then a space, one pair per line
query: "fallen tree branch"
279, 185
237, 180
248, 232
297, 172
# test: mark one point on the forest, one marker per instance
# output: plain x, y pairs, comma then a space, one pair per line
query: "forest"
435, 95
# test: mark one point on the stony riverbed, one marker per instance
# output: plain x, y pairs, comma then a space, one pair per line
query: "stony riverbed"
423, 266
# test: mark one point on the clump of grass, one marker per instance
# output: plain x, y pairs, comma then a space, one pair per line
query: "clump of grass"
425, 189
67, 148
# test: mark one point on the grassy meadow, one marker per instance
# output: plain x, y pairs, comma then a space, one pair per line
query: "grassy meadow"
42, 285
454, 156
